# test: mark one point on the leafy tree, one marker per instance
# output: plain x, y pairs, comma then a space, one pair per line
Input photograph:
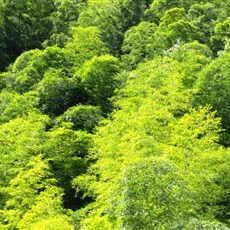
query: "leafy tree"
23, 190
159, 7
175, 22
192, 58
5, 99
213, 88
83, 117
47, 205
98, 76
206, 225
108, 18
86, 44
148, 41
20, 139
68, 151
65, 15
57, 92
204, 16
135, 137
191, 134
127, 143
24, 25
14, 105
139, 43
202, 161
152, 196
30, 67
41, 59
132, 12
4, 58
172, 15
155, 122
221, 35
113, 18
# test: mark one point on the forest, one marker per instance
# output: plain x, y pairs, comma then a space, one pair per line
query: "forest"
114, 115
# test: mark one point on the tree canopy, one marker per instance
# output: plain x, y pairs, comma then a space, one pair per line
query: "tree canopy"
114, 115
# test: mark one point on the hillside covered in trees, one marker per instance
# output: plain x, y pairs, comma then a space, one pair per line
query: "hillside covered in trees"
114, 115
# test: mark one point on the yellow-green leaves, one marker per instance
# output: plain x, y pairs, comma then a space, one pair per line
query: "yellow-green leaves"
86, 44
53, 223
23, 190
152, 195
155, 129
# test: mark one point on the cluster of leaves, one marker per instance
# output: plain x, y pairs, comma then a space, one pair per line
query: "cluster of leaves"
114, 114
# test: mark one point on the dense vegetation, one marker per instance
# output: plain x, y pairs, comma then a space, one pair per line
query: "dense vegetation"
114, 114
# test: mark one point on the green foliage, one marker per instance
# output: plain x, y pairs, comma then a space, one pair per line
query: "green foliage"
86, 44
68, 151
98, 76
204, 16
195, 150
221, 34
20, 139
172, 15
47, 204
176, 27
155, 122
113, 18
107, 16
213, 88
202, 127
30, 67
23, 190
159, 7
83, 117
139, 43
205, 225
132, 12
194, 53
53, 223
136, 132
14, 105
24, 25
5, 99
65, 15
152, 196
57, 92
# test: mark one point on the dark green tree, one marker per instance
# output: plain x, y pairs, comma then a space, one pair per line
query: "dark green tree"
24, 25
204, 16
139, 44
65, 15
57, 92
159, 7
221, 35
